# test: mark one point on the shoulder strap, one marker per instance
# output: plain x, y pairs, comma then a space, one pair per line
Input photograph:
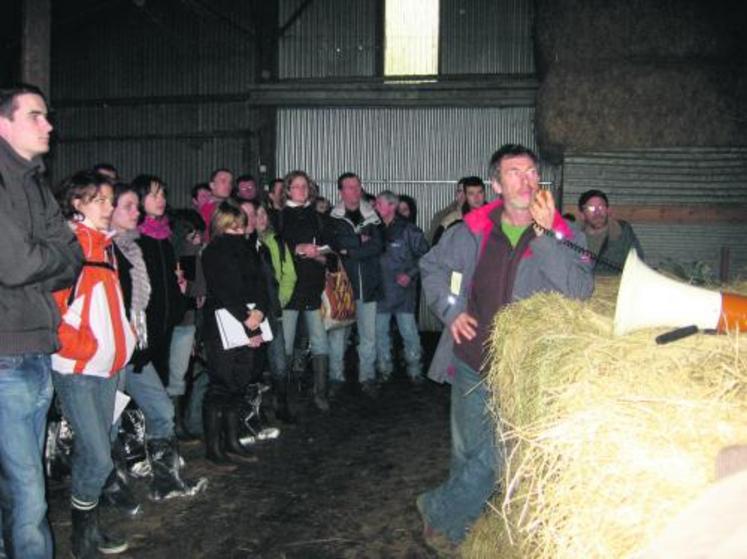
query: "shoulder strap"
88, 264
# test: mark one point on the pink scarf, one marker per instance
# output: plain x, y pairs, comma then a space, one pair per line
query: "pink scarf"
155, 228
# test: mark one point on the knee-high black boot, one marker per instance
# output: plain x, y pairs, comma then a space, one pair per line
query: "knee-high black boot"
231, 423
280, 400
212, 421
320, 365
180, 430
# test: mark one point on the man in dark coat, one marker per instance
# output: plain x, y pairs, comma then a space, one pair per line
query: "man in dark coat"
38, 255
356, 237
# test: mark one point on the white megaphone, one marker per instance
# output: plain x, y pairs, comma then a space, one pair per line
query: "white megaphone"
648, 299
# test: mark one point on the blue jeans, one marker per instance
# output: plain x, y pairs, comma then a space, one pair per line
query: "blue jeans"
182, 340
365, 320
88, 404
408, 329
25, 395
276, 353
150, 396
314, 326
452, 507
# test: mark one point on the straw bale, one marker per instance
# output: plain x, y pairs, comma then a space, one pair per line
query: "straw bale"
648, 73
607, 438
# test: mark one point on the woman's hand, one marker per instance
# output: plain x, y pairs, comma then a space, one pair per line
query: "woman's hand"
181, 281
255, 341
307, 250
253, 320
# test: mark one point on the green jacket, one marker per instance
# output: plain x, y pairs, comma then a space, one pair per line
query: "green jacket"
282, 265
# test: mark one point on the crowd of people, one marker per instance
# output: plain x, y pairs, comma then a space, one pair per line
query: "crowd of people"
110, 295
116, 294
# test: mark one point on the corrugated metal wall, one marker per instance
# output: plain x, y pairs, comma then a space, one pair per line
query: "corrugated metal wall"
486, 36
419, 152
163, 48
670, 177
180, 143
171, 47
333, 38
338, 38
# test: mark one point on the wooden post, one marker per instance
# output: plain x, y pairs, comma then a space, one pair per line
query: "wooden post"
267, 70
724, 265
35, 43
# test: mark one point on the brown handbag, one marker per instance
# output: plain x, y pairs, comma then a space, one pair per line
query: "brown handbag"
338, 300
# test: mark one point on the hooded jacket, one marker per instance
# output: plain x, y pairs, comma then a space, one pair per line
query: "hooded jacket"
98, 306
38, 255
447, 271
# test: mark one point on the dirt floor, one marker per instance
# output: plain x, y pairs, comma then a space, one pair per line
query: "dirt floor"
341, 484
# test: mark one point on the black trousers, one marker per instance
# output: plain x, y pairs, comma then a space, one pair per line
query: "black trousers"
230, 372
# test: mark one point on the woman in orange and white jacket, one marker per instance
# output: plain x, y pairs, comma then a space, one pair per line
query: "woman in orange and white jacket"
96, 343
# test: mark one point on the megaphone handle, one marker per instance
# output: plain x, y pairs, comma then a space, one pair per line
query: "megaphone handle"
677, 334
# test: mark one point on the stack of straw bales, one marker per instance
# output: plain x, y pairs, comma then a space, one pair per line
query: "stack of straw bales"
607, 438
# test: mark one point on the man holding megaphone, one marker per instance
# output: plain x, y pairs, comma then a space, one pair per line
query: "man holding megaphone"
502, 252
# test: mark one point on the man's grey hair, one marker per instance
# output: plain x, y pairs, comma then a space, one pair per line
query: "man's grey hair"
389, 196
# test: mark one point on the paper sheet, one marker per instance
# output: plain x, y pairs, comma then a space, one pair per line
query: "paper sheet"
120, 403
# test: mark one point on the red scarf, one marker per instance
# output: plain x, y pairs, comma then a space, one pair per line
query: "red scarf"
155, 228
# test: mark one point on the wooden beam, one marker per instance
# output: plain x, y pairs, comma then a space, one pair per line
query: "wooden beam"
294, 17
675, 214
474, 91
35, 43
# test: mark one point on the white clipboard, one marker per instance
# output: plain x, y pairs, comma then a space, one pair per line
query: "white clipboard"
232, 332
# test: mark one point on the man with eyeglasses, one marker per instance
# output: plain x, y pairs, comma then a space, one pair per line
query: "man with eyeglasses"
246, 188
607, 237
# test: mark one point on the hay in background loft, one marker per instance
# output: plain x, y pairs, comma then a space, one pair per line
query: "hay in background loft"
607, 438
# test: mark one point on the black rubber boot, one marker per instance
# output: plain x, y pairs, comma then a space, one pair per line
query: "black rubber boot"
231, 422
181, 432
117, 492
87, 539
320, 366
167, 480
280, 400
212, 424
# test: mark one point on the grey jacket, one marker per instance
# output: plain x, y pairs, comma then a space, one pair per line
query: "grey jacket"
618, 240
38, 255
404, 245
447, 271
